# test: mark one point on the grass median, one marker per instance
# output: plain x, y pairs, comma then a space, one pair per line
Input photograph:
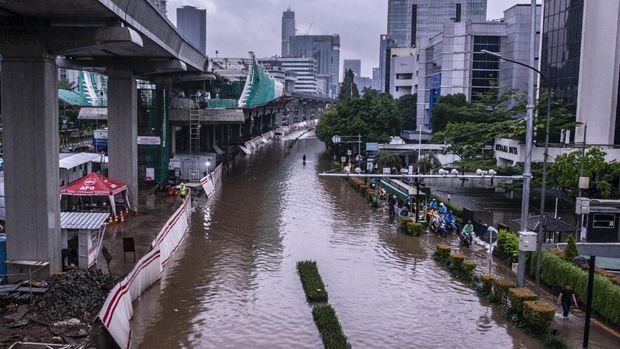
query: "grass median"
331, 332
311, 281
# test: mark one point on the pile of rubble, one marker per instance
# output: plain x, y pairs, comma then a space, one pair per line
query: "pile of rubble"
75, 294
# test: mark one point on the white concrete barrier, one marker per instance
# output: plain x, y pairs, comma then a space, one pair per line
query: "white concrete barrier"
117, 310
210, 181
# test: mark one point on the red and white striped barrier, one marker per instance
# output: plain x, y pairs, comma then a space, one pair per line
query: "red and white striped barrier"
117, 310
210, 181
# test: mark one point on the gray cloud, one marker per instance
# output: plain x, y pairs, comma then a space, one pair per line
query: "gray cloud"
235, 27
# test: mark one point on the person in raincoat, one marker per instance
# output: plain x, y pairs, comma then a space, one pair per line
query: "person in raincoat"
183, 191
433, 205
442, 208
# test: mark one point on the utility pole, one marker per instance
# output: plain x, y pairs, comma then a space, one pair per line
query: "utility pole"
527, 173
583, 160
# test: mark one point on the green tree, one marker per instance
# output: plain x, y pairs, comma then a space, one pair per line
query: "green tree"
564, 171
571, 249
348, 89
65, 84
447, 110
374, 116
385, 158
428, 163
407, 105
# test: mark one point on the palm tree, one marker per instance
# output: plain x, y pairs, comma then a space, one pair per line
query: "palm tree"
388, 159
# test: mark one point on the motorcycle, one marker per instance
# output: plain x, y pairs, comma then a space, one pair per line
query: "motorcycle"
465, 238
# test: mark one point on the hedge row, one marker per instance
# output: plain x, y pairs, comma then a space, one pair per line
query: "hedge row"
327, 322
408, 226
456, 263
556, 272
311, 281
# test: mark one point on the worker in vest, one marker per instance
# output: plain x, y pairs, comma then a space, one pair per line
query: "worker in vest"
183, 191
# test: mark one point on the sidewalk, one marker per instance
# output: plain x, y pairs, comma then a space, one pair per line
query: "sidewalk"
601, 335
153, 211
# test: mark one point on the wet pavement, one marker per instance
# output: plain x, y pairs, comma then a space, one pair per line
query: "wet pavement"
234, 283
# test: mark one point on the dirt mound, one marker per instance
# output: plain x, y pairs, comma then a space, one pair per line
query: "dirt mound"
75, 294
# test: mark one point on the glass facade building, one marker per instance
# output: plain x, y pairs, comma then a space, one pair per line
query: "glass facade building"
410, 20
485, 67
561, 49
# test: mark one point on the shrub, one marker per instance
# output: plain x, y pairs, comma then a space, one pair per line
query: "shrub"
414, 229
556, 272
571, 249
327, 322
553, 340
538, 315
487, 282
311, 281
442, 252
508, 243
519, 295
469, 266
501, 287
456, 259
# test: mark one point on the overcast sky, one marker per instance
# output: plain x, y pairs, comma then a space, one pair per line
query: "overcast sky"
235, 27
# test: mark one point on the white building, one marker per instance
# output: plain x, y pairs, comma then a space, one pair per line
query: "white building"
304, 70
451, 62
403, 72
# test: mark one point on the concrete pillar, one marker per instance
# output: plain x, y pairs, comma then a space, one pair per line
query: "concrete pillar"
123, 130
30, 137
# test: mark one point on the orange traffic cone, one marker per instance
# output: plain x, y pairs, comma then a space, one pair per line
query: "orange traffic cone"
122, 218
115, 219
111, 220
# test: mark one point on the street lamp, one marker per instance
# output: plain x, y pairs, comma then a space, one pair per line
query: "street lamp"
544, 174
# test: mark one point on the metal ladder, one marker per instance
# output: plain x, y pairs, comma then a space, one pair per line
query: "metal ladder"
194, 131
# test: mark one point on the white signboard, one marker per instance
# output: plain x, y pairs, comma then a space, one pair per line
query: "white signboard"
149, 140
150, 174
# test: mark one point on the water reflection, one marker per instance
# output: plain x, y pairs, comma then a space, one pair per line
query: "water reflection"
235, 285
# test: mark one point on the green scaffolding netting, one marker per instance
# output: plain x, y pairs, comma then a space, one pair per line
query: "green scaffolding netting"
262, 89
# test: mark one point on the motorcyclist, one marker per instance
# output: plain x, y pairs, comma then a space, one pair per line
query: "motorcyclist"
449, 218
442, 208
468, 228
433, 205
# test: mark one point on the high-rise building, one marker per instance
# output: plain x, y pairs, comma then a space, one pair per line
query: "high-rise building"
452, 61
192, 24
161, 6
288, 31
411, 20
376, 79
304, 70
352, 64
325, 49
385, 44
582, 73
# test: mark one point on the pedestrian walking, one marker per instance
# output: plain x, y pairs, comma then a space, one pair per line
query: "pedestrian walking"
392, 206
566, 297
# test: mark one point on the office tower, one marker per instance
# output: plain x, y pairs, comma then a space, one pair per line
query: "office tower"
352, 64
288, 31
192, 24
411, 20
325, 49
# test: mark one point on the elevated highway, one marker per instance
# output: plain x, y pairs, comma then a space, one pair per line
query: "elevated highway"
124, 38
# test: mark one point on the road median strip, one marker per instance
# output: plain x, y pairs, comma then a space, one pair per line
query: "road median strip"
323, 314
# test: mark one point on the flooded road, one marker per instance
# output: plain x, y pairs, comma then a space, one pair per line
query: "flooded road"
234, 283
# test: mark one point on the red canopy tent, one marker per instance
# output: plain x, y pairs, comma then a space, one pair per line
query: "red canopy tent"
95, 184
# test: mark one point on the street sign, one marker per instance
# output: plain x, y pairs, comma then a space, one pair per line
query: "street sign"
369, 166
336, 139
349, 152
372, 146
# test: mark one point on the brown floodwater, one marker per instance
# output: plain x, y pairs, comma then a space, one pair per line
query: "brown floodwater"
234, 283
